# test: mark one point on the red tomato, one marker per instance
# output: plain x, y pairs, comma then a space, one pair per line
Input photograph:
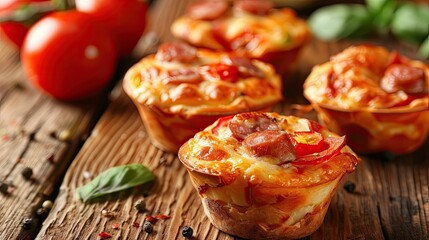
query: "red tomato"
333, 147
125, 19
14, 32
307, 142
221, 122
68, 55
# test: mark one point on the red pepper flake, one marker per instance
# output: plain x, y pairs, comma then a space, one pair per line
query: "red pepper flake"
151, 219
51, 158
154, 219
162, 216
115, 226
136, 224
104, 235
5, 138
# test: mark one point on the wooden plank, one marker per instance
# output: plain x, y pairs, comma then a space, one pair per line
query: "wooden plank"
391, 200
28, 121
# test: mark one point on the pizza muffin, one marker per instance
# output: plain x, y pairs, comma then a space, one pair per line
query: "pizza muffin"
181, 89
379, 99
266, 176
250, 28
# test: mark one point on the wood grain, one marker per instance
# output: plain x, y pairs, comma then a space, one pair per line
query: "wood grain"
28, 120
391, 200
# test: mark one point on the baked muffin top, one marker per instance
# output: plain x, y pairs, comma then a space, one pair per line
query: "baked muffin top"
268, 149
185, 80
369, 77
249, 28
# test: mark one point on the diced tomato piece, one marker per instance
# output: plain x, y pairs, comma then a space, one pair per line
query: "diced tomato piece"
222, 71
307, 142
315, 126
221, 122
334, 146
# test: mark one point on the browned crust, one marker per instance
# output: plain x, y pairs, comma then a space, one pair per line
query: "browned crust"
219, 217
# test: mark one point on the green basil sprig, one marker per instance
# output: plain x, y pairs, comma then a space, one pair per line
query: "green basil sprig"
411, 22
424, 49
114, 180
381, 13
408, 21
340, 21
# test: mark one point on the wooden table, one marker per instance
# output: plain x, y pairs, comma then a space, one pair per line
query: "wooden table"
391, 199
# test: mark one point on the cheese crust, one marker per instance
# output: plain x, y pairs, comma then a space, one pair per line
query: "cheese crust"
148, 83
278, 30
251, 196
348, 95
177, 99
275, 37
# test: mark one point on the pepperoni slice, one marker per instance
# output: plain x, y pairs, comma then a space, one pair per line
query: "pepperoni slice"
178, 76
402, 77
219, 92
185, 92
207, 10
209, 153
245, 42
245, 66
259, 7
272, 143
244, 124
180, 52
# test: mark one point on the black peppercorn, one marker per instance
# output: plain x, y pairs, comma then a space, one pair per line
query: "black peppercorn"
349, 186
187, 232
140, 205
42, 213
148, 227
4, 187
27, 222
27, 173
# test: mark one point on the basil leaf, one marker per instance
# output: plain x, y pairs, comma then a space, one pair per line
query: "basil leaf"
340, 21
424, 49
381, 13
360, 21
115, 179
411, 22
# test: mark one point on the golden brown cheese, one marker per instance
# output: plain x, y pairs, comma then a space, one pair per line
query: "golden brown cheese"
380, 100
352, 80
222, 153
258, 196
251, 34
187, 88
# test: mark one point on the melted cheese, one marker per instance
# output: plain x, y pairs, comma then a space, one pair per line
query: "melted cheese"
350, 81
252, 189
256, 170
146, 82
278, 30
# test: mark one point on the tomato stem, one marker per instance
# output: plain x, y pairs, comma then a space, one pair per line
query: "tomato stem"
28, 12
63, 4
